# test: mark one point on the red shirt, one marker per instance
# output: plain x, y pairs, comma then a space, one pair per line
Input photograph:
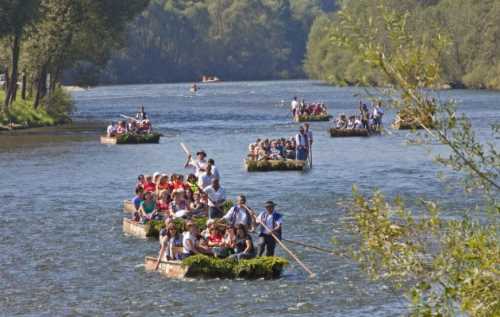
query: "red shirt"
149, 187
215, 238
162, 206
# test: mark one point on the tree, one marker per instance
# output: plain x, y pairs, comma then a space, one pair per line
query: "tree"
16, 16
447, 265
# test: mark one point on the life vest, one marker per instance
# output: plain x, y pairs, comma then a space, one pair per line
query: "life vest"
276, 217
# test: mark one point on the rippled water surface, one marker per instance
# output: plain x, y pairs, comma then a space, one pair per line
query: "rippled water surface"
62, 247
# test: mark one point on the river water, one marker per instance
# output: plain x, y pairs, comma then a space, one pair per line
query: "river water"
62, 247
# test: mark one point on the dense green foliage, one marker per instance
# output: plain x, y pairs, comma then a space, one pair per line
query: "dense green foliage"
274, 165
471, 28
42, 38
177, 40
129, 138
261, 267
447, 265
22, 112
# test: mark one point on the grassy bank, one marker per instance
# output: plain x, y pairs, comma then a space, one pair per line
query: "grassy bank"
53, 111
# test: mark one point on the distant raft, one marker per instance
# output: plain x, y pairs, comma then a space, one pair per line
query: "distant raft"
312, 118
274, 165
202, 266
152, 138
345, 133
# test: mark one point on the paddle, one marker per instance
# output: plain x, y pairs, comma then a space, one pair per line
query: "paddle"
127, 117
310, 153
186, 150
311, 273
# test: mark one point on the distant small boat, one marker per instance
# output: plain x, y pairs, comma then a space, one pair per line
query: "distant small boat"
152, 138
210, 79
274, 165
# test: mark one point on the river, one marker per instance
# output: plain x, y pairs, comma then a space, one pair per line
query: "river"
63, 252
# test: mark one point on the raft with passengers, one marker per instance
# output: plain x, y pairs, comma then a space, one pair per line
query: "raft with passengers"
303, 112
366, 123
201, 232
138, 130
292, 154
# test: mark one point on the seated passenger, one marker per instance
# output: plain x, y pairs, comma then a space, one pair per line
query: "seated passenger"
178, 206
138, 198
149, 185
191, 243
243, 248
170, 243
147, 208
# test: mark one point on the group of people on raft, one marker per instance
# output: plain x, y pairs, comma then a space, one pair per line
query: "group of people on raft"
226, 237
313, 109
370, 119
163, 197
294, 148
138, 125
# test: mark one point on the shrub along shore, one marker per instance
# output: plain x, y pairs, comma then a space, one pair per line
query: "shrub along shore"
55, 109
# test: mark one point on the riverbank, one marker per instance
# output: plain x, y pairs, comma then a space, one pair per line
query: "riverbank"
23, 115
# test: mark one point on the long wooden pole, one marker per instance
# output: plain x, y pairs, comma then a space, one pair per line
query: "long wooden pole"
310, 246
311, 274
186, 150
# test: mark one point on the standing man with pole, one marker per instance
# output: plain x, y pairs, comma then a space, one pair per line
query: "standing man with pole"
270, 224
310, 141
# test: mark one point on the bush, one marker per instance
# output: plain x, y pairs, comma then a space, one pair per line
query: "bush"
129, 138
261, 267
274, 165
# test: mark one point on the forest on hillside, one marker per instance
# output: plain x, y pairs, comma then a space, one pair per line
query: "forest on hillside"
177, 40
470, 29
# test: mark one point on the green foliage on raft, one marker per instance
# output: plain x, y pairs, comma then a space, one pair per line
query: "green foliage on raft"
274, 165
129, 138
312, 118
261, 267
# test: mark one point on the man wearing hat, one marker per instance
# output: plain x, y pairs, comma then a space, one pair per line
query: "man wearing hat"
272, 221
199, 164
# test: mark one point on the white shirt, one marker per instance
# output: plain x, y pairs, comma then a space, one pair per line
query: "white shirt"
295, 104
186, 248
111, 129
300, 139
205, 180
215, 172
198, 165
267, 219
215, 196
237, 215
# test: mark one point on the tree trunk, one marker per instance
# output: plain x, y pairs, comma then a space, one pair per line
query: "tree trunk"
41, 86
23, 91
10, 96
